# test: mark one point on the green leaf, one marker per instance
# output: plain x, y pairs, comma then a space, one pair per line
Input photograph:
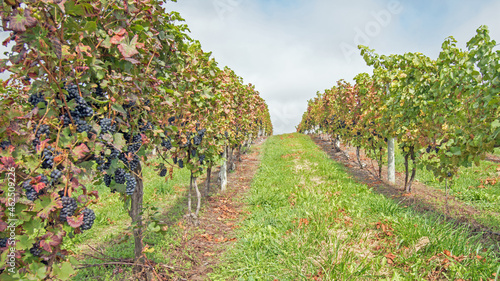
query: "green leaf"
73, 9
64, 271
495, 124
91, 26
119, 108
455, 150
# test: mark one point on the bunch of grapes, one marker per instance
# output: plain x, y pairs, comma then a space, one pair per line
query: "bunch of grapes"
82, 126
31, 193
135, 144
107, 126
104, 164
55, 175
36, 250
120, 176
82, 109
202, 158
5, 144
166, 143
131, 184
181, 163
41, 130
48, 157
44, 129
3, 242
145, 127
132, 164
88, 219
163, 172
199, 137
197, 140
114, 152
107, 180
65, 119
171, 120
36, 98
69, 206
99, 92
73, 92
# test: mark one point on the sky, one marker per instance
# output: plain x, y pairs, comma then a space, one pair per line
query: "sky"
291, 49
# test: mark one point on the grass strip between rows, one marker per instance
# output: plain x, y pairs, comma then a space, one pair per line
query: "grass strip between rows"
309, 219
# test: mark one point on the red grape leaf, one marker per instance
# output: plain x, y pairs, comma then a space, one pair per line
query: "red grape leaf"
129, 50
3, 226
75, 183
49, 240
121, 32
19, 23
7, 162
39, 186
117, 39
81, 151
75, 221
47, 204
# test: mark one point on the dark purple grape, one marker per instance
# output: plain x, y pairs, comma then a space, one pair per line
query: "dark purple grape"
88, 219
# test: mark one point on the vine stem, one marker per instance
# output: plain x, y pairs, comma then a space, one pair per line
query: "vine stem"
446, 189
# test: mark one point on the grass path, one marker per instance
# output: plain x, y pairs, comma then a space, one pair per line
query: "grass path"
184, 252
309, 220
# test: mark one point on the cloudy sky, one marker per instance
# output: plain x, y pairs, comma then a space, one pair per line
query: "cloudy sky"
290, 49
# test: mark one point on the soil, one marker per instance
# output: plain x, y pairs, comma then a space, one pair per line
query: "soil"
423, 198
203, 245
492, 158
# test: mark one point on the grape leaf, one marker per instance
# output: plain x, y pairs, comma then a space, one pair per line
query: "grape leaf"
81, 151
47, 204
129, 50
39, 186
75, 221
19, 23
49, 240
65, 271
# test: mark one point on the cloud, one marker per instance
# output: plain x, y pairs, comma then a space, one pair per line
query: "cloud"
292, 49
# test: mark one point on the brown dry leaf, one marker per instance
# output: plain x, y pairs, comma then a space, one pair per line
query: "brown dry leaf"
181, 225
390, 258
207, 236
220, 239
446, 252
208, 254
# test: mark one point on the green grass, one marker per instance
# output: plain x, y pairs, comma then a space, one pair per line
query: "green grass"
467, 187
308, 219
165, 200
